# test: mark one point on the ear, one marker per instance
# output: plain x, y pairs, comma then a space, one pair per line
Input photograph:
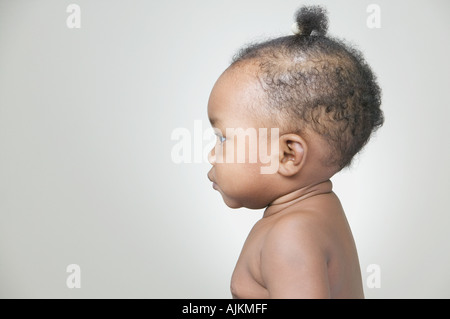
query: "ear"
293, 151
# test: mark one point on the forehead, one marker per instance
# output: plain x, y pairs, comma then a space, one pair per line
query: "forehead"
234, 97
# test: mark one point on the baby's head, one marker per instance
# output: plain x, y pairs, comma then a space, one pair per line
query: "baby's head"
316, 90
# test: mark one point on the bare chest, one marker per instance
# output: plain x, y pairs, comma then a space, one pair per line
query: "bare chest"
246, 281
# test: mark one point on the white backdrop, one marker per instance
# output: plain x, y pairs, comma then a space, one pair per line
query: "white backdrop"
86, 174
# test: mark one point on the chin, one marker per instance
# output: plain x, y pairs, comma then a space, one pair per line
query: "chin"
238, 204
232, 204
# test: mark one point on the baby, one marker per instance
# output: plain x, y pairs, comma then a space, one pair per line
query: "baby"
316, 100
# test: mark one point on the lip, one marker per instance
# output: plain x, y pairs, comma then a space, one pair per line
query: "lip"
214, 185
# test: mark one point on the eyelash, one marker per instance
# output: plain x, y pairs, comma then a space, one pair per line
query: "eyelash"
221, 138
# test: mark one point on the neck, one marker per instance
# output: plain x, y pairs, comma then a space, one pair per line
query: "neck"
297, 196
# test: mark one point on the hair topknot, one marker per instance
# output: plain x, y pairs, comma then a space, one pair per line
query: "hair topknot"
311, 20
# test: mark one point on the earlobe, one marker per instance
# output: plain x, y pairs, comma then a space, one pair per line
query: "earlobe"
292, 154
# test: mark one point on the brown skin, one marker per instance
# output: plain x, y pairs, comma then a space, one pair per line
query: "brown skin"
302, 247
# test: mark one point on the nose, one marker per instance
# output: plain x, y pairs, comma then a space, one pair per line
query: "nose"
212, 156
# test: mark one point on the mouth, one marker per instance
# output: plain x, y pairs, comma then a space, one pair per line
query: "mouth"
214, 185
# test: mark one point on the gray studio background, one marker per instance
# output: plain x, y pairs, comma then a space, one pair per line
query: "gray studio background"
86, 175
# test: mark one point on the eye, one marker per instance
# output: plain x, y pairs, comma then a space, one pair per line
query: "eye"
221, 138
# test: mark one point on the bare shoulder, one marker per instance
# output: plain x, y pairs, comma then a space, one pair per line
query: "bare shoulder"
310, 252
298, 229
294, 257
316, 225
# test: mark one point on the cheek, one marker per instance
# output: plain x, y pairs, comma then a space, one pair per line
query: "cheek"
242, 185
237, 166
237, 172
237, 179
237, 150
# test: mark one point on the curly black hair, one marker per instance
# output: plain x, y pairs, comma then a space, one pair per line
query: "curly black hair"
319, 82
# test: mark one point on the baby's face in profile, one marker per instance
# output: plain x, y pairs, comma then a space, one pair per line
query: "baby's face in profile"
236, 173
